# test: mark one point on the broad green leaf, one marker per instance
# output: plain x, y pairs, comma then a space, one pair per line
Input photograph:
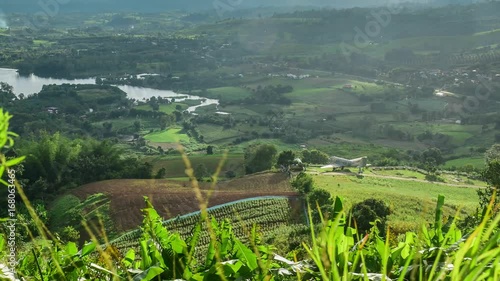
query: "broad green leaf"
438, 222
209, 260
231, 269
71, 249
244, 254
405, 252
145, 258
178, 245
88, 248
198, 277
193, 240
380, 246
2, 243
426, 235
148, 274
129, 258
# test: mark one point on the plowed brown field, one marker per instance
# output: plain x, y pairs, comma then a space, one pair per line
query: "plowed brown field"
172, 198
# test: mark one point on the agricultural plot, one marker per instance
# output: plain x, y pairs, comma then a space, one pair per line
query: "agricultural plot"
226, 93
173, 135
267, 213
218, 135
173, 198
176, 168
96, 95
476, 162
166, 108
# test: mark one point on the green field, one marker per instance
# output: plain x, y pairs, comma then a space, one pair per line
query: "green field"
413, 203
268, 213
176, 167
166, 108
227, 93
476, 162
173, 135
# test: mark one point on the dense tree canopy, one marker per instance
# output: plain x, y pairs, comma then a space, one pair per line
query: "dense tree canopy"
259, 158
285, 158
368, 211
493, 153
432, 156
55, 162
315, 157
303, 183
6, 94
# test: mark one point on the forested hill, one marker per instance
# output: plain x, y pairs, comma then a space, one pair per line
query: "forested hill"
32, 6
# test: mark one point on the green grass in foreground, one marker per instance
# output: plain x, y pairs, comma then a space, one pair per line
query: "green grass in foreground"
412, 202
172, 135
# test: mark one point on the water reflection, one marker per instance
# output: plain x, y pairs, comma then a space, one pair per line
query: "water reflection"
32, 84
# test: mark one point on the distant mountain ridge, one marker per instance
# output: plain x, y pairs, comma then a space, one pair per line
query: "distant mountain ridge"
32, 6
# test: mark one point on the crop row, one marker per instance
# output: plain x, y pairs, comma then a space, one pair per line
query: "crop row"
267, 213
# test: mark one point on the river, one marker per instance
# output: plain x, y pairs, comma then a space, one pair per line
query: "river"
33, 84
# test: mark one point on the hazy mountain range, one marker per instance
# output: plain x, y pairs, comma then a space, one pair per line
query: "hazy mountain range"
32, 6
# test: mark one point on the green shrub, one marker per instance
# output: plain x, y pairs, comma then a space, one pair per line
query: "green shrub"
369, 212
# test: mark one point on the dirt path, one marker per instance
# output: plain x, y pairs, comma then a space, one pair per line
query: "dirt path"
395, 178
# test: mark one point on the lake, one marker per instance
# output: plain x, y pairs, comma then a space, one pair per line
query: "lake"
32, 84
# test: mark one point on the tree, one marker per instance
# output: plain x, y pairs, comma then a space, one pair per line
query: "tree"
141, 171
323, 199
108, 128
49, 160
200, 172
165, 120
492, 154
367, 212
155, 106
137, 125
285, 158
69, 233
303, 183
210, 150
6, 93
161, 174
259, 158
432, 157
492, 176
315, 157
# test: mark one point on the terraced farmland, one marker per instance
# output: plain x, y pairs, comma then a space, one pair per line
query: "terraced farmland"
268, 213
175, 198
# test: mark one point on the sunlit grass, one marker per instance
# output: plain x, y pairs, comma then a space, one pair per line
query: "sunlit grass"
173, 135
411, 202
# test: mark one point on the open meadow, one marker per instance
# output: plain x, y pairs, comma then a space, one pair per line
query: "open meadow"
412, 202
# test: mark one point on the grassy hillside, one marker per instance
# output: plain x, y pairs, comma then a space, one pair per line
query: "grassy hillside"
412, 202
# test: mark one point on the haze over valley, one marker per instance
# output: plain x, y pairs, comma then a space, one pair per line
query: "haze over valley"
249, 140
